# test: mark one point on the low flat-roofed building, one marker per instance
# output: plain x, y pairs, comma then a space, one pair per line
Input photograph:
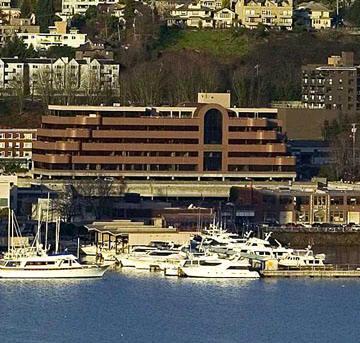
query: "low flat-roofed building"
198, 141
333, 204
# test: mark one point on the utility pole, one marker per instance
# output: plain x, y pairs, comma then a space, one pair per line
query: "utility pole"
353, 135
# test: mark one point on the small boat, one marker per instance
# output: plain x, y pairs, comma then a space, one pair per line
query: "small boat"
235, 267
49, 267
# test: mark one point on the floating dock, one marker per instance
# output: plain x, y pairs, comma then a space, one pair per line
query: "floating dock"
312, 273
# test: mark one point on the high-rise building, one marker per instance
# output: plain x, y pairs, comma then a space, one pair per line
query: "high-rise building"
332, 86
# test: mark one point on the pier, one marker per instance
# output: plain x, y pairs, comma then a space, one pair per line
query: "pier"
330, 271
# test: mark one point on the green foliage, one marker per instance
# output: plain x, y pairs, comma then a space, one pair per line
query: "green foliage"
78, 21
11, 167
16, 47
129, 13
60, 51
226, 3
45, 14
353, 13
91, 13
26, 8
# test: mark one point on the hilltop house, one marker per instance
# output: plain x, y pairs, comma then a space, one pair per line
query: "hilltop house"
313, 15
58, 36
196, 15
271, 13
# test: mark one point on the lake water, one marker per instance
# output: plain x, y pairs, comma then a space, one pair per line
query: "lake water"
148, 307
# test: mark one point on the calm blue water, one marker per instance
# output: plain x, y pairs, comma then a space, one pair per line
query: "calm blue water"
144, 307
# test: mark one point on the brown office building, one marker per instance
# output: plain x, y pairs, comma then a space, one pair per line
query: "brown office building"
332, 86
202, 141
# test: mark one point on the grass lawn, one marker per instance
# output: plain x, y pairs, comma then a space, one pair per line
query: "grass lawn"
221, 43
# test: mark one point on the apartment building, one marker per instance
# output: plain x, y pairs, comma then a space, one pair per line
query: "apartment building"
196, 15
16, 146
58, 36
207, 140
332, 86
15, 26
314, 15
11, 74
276, 14
38, 73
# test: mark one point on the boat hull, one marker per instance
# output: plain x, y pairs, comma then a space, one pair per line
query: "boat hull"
71, 273
225, 274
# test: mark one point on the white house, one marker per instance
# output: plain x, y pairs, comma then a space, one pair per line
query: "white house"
192, 15
71, 7
212, 4
224, 18
58, 36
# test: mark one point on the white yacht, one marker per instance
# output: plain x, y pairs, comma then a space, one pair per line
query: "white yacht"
235, 267
98, 251
48, 267
263, 248
302, 258
159, 259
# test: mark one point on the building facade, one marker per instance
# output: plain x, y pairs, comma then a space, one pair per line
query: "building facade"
197, 15
276, 14
15, 26
206, 140
313, 15
39, 74
11, 74
332, 86
58, 36
72, 7
16, 146
287, 205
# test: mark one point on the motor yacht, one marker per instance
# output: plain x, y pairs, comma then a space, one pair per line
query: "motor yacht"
234, 267
49, 267
159, 259
302, 258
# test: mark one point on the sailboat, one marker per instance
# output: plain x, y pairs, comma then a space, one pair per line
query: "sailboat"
34, 262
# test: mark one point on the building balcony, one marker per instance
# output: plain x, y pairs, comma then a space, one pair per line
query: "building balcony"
138, 147
275, 161
134, 160
276, 147
144, 134
51, 158
78, 120
61, 146
268, 135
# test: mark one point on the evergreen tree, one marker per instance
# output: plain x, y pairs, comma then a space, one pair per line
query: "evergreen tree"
353, 13
45, 14
16, 47
129, 13
26, 8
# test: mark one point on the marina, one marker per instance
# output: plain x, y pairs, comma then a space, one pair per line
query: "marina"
137, 306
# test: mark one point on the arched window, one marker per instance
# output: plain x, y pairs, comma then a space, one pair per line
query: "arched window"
213, 127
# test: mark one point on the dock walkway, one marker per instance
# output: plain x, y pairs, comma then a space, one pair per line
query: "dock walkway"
334, 271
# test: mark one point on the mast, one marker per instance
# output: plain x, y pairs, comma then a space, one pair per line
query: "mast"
57, 235
9, 223
12, 230
47, 221
38, 242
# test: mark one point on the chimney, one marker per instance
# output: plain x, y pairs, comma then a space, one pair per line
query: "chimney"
347, 58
